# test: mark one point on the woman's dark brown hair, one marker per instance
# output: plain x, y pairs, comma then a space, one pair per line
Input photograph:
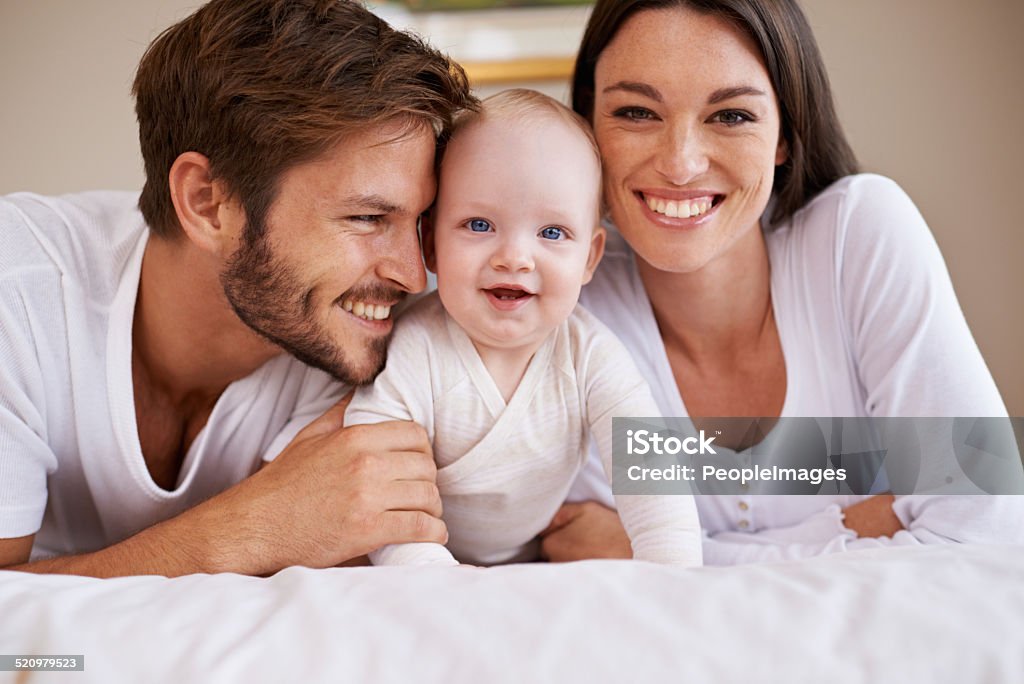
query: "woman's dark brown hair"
262, 85
818, 151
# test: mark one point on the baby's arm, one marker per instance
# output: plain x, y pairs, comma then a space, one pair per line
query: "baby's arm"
401, 392
661, 528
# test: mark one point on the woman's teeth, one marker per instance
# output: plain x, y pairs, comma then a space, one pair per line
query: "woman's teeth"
369, 312
679, 208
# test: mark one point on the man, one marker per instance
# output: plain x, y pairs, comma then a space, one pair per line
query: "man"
153, 358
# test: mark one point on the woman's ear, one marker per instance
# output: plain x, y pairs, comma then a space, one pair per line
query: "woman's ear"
210, 218
782, 151
596, 252
427, 240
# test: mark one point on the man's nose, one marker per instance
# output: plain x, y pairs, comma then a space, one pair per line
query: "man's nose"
402, 261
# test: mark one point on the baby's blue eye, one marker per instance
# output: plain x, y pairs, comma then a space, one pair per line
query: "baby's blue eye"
479, 225
552, 233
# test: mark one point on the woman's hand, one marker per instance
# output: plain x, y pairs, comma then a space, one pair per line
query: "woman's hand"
873, 517
580, 531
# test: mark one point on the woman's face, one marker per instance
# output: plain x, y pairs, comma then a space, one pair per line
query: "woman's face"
688, 126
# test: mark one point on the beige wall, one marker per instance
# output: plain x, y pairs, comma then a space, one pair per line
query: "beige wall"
929, 91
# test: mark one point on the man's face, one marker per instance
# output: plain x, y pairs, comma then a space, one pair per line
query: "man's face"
339, 250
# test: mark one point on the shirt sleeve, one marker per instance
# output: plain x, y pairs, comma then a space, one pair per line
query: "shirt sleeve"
662, 529
928, 520
26, 459
318, 393
402, 391
914, 351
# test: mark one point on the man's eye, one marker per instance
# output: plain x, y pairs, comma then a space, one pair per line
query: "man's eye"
479, 225
366, 218
552, 233
634, 113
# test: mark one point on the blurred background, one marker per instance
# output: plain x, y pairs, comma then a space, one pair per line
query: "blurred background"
928, 90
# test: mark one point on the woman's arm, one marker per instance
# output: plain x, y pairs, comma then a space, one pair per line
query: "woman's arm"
591, 530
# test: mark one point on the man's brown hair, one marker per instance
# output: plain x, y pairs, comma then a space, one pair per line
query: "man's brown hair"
263, 85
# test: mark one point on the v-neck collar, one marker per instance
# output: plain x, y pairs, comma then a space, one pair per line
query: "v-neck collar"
484, 382
659, 355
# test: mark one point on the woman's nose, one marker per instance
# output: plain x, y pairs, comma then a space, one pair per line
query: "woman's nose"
683, 156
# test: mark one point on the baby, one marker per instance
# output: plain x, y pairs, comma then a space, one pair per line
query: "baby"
501, 366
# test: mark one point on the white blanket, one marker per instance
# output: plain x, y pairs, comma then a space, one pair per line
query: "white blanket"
928, 614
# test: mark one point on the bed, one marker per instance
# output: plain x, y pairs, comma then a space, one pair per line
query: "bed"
923, 614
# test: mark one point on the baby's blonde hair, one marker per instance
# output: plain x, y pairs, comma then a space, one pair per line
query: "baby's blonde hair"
522, 103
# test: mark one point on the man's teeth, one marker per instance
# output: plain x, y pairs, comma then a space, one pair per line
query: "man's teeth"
679, 208
370, 312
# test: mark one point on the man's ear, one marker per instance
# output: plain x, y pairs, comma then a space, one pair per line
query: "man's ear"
427, 240
210, 218
596, 252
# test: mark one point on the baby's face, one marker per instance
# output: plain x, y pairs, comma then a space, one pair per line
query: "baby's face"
516, 228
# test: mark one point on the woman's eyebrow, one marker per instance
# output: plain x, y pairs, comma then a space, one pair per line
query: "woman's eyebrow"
723, 94
653, 93
635, 87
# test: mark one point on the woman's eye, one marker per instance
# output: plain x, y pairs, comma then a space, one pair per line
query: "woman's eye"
479, 225
634, 113
733, 117
552, 233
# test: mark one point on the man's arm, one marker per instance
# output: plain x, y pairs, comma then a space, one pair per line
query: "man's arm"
333, 494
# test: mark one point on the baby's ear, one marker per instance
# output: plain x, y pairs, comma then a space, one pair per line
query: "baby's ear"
427, 240
596, 252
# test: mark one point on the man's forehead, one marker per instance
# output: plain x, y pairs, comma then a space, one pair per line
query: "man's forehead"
372, 171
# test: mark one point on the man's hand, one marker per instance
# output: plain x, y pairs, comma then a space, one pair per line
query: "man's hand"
873, 517
335, 493
585, 530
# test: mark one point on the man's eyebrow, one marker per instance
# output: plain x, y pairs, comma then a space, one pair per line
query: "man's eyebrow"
723, 94
635, 87
374, 202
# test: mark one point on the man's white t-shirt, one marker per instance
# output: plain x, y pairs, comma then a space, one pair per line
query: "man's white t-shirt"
71, 467
869, 326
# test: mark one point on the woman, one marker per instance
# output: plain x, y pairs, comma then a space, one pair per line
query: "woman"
761, 277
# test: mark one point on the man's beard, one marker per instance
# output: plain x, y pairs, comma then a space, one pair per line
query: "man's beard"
270, 298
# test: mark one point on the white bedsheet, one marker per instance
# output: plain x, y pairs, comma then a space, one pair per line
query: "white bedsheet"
930, 614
